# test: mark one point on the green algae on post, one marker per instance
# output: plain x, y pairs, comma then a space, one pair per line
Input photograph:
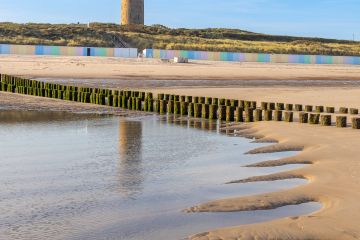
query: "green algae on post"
354, 111
355, 123
314, 118
330, 110
249, 115
319, 109
222, 113
258, 115
230, 113
191, 109
325, 120
298, 107
303, 117
268, 115
184, 108
213, 111
344, 110
278, 115
341, 121
289, 107
308, 108
205, 111
289, 116
239, 114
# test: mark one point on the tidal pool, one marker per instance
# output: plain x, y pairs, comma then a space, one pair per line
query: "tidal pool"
65, 176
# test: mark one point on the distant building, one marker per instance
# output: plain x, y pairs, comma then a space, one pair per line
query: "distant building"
132, 12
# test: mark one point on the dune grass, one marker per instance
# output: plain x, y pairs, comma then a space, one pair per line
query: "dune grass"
158, 36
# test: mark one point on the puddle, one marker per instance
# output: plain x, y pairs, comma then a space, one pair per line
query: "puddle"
71, 177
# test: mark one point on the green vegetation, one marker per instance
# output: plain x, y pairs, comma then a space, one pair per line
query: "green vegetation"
161, 37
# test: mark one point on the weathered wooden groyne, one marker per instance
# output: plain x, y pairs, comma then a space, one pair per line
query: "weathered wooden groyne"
227, 110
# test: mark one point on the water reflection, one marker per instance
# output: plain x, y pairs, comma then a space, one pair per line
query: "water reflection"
125, 179
203, 124
130, 149
14, 116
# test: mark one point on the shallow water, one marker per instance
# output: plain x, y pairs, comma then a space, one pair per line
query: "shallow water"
118, 83
91, 177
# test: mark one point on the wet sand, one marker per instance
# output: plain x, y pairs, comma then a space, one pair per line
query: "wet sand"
334, 175
10, 101
334, 181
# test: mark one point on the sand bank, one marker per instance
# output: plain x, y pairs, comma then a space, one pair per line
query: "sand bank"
11, 101
334, 181
116, 68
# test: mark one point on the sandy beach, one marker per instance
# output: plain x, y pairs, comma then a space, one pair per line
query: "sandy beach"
331, 153
149, 69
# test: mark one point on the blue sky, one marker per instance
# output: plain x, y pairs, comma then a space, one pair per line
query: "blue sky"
318, 18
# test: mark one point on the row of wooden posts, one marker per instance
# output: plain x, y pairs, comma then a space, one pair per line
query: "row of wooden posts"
229, 110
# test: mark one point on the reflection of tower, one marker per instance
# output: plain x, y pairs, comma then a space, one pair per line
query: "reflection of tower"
132, 12
130, 167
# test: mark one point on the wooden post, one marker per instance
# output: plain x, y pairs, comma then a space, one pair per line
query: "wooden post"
280, 106
344, 110
197, 110
208, 100
230, 113
268, 115
239, 114
314, 118
191, 109
249, 115
298, 107
157, 105
222, 113
289, 116
184, 108
138, 104
188, 99
303, 117
356, 123
124, 102
258, 115
330, 109
278, 115
271, 106
213, 111
341, 121
205, 111
195, 99
264, 106
308, 108
170, 106
177, 108
319, 109
289, 107
326, 120
163, 107
253, 105
161, 96
354, 111
150, 105
215, 101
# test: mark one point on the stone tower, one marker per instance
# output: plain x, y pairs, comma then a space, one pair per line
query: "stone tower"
132, 12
